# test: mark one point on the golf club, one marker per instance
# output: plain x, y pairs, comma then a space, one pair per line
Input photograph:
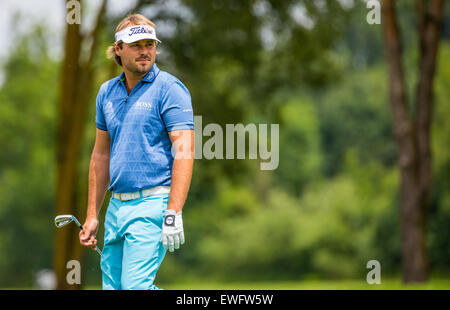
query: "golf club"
63, 220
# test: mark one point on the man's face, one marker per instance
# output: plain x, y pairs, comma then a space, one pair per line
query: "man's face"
138, 57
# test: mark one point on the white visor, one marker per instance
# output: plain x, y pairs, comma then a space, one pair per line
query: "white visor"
136, 33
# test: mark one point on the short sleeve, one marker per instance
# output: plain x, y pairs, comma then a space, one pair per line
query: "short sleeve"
176, 108
99, 116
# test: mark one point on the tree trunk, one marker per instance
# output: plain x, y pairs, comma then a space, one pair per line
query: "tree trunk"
75, 89
413, 134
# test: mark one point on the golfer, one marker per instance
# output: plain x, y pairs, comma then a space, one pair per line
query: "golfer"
143, 154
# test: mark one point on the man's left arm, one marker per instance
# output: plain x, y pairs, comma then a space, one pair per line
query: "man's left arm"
183, 151
183, 148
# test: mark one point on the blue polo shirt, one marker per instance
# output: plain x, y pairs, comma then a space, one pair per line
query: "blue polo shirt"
138, 124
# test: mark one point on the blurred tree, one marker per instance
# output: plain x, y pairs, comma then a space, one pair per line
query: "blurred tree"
76, 85
27, 124
412, 129
439, 234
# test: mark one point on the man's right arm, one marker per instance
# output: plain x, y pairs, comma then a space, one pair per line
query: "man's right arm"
98, 185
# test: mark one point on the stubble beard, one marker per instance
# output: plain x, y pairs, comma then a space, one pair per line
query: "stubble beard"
139, 69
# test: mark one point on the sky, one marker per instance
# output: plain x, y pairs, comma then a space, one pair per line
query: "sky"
51, 13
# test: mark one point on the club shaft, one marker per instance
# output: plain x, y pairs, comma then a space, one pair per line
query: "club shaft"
98, 250
78, 223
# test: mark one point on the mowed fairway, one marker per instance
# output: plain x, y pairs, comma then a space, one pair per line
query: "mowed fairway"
388, 284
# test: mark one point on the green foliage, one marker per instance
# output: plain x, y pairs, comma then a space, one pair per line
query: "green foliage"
331, 231
355, 114
300, 152
439, 233
332, 204
27, 118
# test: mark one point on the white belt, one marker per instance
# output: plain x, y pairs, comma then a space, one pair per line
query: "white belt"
157, 190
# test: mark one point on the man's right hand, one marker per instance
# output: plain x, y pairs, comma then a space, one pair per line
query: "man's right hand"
87, 235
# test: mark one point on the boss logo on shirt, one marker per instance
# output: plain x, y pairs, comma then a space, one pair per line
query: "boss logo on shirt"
143, 105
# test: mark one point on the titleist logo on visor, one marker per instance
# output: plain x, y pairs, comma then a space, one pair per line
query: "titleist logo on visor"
135, 33
139, 29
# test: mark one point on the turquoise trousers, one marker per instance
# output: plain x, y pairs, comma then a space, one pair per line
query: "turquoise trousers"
132, 251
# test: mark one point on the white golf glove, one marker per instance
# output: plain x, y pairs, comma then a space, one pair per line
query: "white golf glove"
172, 230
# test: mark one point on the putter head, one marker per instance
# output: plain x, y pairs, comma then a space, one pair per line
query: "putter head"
63, 220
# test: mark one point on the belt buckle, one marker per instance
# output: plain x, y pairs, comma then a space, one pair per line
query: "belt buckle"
120, 196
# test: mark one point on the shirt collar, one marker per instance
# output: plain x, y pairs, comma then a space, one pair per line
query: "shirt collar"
149, 77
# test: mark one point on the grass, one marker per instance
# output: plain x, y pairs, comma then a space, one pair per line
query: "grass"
386, 284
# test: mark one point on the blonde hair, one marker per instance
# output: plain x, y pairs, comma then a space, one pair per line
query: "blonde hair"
130, 20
